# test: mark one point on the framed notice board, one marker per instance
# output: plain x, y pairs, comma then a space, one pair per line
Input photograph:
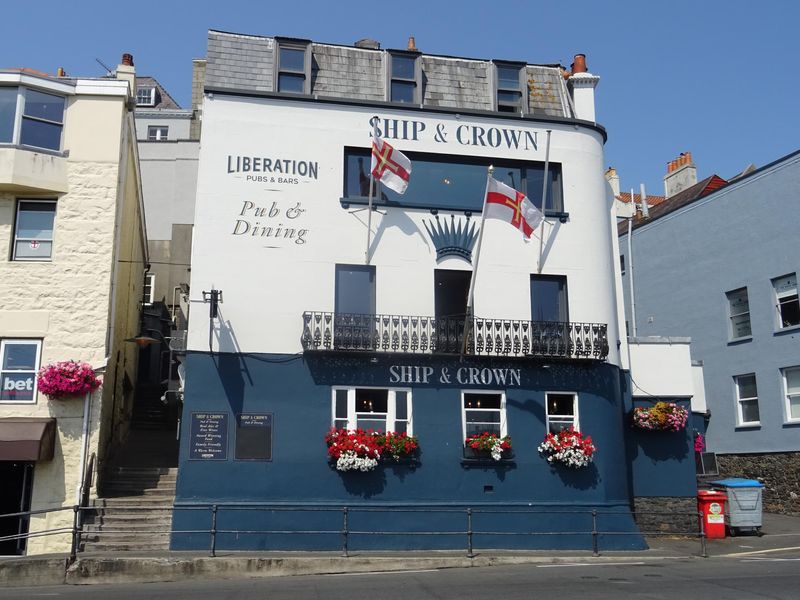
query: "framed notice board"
208, 436
254, 436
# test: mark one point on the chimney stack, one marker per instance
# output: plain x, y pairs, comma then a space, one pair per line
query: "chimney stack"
681, 174
613, 180
582, 84
412, 44
126, 72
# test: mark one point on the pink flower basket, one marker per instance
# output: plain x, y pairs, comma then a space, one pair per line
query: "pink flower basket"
66, 379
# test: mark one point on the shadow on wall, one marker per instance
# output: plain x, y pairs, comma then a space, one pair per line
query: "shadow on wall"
230, 363
661, 445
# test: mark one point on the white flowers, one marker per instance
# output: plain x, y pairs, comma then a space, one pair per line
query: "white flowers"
350, 461
497, 449
568, 447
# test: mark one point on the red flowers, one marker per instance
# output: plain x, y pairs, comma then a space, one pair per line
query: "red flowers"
568, 447
361, 450
489, 442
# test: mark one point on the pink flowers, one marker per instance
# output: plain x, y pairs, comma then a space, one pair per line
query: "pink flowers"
663, 416
568, 447
67, 378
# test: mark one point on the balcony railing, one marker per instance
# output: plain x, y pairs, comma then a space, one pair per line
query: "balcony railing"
428, 335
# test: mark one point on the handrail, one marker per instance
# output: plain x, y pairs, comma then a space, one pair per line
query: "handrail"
327, 331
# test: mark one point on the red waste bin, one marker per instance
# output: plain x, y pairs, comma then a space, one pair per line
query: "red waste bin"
712, 504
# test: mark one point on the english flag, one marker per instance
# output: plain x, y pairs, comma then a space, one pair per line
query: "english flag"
390, 166
509, 205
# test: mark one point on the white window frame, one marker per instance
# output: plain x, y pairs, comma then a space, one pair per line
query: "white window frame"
157, 133
16, 238
149, 281
150, 100
573, 419
739, 413
20, 116
503, 419
391, 407
731, 315
787, 397
291, 44
15, 341
781, 295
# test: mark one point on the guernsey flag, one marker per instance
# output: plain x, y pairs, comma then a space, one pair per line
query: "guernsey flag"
509, 205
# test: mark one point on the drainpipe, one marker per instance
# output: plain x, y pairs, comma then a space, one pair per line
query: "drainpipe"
630, 271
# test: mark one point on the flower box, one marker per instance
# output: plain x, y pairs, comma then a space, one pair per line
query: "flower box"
67, 379
569, 448
487, 447
363, 451
662, 416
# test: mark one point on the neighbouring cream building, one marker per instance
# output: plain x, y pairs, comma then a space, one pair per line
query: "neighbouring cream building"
72, 256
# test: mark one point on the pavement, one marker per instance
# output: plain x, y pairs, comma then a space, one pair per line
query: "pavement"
781, 534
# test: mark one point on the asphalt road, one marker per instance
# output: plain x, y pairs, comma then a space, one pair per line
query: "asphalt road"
771, 575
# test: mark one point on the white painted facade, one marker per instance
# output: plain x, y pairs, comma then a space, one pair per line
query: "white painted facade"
267, 282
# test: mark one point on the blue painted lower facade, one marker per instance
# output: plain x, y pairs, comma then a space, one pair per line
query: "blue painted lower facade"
298, 489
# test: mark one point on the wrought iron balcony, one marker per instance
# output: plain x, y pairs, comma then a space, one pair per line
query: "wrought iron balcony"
326, 331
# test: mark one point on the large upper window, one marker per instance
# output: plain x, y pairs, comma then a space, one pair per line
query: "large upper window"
293, 67
549, 298
355, 289
483, 412
158, 133
29, 117
19, 360
404, 78
377, 409
787, 301
562, 411
508, 77
791, 387
454, 182
33, 233
747, 399
739, 313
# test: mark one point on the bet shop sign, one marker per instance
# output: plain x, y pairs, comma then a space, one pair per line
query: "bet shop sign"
18, 388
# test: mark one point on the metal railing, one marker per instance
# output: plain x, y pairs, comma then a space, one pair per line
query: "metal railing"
430, 335
346, 532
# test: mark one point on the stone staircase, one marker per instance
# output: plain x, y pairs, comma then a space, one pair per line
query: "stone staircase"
135, 512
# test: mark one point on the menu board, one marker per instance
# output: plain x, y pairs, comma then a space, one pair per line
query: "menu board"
254, 436
208, 436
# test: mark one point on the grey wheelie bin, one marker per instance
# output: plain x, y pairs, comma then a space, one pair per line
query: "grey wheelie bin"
744, 504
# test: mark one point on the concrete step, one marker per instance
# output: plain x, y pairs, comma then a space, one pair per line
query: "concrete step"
132, 527
139, 502
123, 491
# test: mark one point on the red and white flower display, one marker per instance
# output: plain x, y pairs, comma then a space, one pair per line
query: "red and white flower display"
568, 447
361, 450
490, 442
67, 378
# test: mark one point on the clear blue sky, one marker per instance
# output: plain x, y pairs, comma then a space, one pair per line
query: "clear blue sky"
717, 78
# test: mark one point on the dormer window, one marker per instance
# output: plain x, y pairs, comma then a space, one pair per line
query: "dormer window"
146, 96
293, 67
509, 85
405, 75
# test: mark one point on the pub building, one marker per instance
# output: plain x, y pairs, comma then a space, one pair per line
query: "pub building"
302, 322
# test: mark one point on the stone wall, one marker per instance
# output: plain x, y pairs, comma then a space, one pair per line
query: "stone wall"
666, 514
779, 472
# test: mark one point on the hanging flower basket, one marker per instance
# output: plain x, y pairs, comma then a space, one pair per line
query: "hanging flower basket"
489, 443
67, 379
662, 416
569, 448
361, 450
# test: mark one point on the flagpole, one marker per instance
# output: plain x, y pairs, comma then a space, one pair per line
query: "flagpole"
544, 196
371, 191
471, 295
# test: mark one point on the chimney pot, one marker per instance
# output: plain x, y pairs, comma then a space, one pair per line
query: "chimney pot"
60, 72
127, 59
579, 64
412, 45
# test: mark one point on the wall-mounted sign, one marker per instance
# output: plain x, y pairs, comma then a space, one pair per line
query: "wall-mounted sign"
208, 436
492, 376
254, 437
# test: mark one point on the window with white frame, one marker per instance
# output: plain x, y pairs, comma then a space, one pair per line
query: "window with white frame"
404, 77
19, 360
293, 68
33, 230
148, 293
791, 388
739, 313
157, 133
30, 117
561, 411
508, 80
378, 409
483, 412
146, 96
787, 301
747, 399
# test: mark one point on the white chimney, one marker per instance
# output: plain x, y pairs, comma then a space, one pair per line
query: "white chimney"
681, 174
583, 83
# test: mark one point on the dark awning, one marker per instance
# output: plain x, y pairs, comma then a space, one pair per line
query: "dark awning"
27, 438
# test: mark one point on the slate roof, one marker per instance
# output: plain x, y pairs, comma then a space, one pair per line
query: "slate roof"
245, 63
673, 203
